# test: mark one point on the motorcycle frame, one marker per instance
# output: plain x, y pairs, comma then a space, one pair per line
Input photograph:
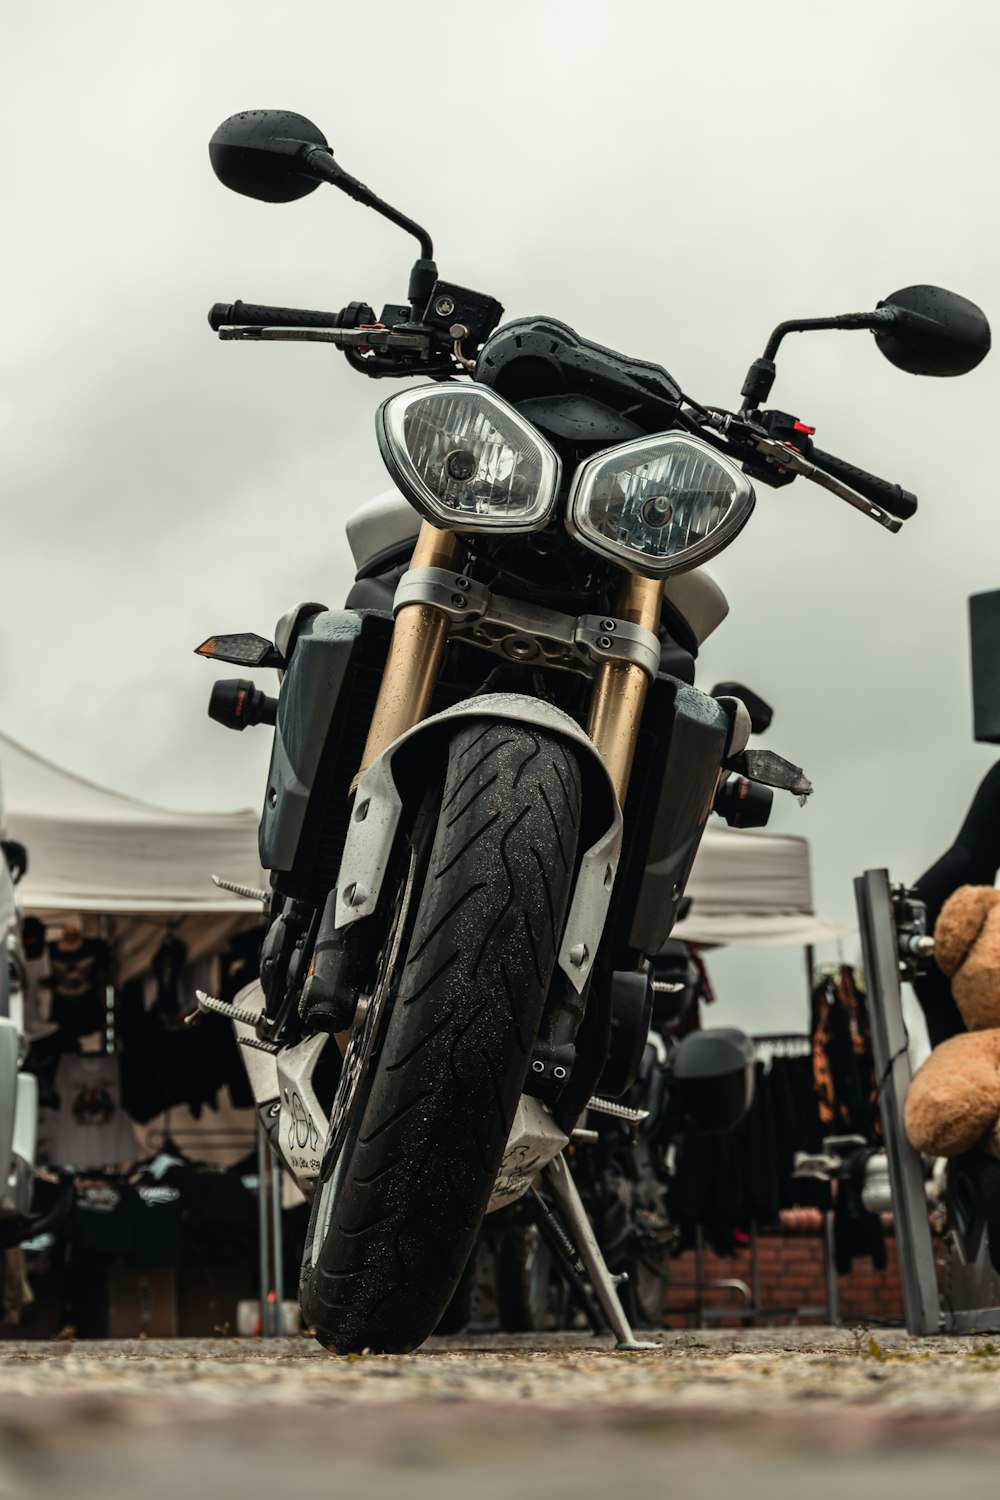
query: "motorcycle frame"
620, 656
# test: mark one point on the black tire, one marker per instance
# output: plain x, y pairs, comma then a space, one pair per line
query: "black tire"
402, 1203
644, 1295
531, 1295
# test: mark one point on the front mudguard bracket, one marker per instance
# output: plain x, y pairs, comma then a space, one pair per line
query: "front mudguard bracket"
378, 806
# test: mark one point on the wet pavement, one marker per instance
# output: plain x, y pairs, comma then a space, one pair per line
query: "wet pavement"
770, 1412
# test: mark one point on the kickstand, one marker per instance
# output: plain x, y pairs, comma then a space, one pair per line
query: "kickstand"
575, 1218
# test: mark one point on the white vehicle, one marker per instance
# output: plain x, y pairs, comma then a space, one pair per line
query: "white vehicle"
18, 1090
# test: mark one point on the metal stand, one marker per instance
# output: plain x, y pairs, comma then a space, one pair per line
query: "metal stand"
271, 1262
830, 1270
752, 1310
567, 1198
883, 947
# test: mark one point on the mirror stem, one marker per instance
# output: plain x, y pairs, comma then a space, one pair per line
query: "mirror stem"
846, 320
760, 377
320, 163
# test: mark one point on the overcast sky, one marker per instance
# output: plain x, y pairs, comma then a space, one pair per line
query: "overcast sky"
670, 180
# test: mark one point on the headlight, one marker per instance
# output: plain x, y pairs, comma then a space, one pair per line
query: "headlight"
466, 460
659, 505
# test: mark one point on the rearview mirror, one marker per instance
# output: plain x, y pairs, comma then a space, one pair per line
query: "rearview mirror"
712, 1082
933, 332
278, 156
263, 153
761, 713
17, 858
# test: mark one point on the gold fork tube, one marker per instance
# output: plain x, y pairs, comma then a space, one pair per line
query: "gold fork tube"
619, 692
415, 651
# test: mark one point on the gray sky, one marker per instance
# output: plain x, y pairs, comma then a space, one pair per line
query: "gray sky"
669, 180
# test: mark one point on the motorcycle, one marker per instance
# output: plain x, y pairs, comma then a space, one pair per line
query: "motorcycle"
491, 770
18, 1090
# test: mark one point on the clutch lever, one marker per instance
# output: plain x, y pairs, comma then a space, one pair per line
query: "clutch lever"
379, 339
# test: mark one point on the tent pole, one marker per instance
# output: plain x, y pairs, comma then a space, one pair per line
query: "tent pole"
277, 1247
810, 969
264, 1230
110, 1026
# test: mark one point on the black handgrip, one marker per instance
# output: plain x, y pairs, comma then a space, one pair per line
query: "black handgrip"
891, 497
253, 315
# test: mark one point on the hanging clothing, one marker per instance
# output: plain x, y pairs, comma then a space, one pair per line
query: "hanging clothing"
89, 1128
79, 973
726, 1182
167, 1062
168, 965
843, 1067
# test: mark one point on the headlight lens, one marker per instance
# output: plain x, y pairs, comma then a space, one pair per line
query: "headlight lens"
466, 460
659, 505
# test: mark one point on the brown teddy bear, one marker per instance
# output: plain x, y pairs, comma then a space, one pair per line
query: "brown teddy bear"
953, 1104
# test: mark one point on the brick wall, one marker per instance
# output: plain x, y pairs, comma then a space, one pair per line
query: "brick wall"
792, 1270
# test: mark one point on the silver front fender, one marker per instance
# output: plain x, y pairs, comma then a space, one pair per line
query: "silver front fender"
378, 805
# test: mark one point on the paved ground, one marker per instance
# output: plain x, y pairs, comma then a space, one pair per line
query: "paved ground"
770, 1413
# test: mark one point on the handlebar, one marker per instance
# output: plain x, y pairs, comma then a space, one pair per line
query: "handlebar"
891, 497
378, 350
254, 315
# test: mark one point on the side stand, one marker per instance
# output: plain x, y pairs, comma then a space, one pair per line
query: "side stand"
271, 1269
567, 1198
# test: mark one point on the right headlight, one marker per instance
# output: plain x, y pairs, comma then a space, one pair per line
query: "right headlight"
466, 460
659, 505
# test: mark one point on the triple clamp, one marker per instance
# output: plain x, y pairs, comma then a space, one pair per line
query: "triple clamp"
525, 633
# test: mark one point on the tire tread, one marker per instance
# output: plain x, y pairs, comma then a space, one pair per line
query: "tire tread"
467, 1006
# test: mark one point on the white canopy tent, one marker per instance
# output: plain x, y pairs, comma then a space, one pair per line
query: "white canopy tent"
753, 888
140, 868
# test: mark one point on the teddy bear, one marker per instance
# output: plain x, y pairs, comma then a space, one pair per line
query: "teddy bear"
953, 1104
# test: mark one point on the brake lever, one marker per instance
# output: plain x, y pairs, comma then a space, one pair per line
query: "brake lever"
787, 458
748, 434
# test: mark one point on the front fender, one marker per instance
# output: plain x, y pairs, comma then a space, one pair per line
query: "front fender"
378, 805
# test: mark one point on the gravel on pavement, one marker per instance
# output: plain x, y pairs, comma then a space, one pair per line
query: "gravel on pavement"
770, 1413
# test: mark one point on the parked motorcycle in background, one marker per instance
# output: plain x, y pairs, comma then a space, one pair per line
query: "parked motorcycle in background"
622, 1162
491, 769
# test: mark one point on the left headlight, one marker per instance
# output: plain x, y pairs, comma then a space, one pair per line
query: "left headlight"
659, 505
466, 461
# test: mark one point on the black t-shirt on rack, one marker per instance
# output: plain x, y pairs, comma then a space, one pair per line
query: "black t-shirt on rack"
79, 971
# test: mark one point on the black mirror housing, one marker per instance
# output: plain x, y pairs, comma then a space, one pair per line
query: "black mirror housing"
261, 153
933, 332
712, 1079
761, 713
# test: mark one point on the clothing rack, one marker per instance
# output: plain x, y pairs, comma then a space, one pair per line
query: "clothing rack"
821, 973
782, 1044
232, 1135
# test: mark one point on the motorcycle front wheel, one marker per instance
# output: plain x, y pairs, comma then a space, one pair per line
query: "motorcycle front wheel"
438, 1057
